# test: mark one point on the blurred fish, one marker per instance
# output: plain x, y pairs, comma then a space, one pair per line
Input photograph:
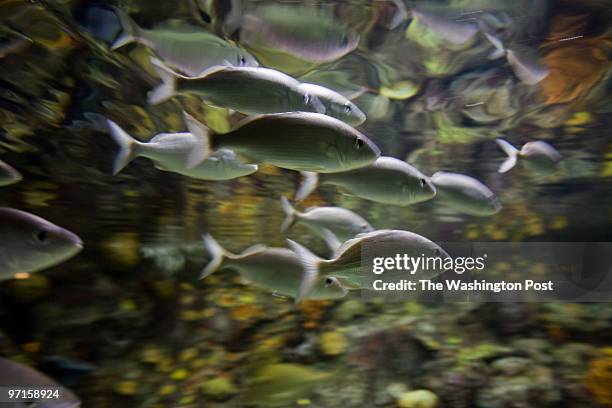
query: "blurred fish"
276, 269
387, 180
8, 175
301, 31
12, 41
347, 261
244, 89
170, 151
538, 156
281, 385
297, 141
465, 194
187, 48
100, 20
30, 243
220, 165
66, 370
343, 223
453, 31
13, 374
336, 105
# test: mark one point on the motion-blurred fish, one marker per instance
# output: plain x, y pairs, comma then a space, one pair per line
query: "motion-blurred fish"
343, 223
29, 243
465, 194
297, 141
453, 31
387, 180
347, 261
16, 375
538, 156
220, 165
8, 175
244, 89
301, 31
281, 385
170, 151
336, 105
276, 269
187, 48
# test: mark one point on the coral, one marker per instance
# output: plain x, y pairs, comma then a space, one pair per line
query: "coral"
333, 343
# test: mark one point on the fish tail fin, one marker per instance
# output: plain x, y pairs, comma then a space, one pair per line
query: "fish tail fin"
309, 183
512, 153
527, 69
129, 30
331, 240
290, 214
217, 255
310, 263
165, 90
202, 134
127, 146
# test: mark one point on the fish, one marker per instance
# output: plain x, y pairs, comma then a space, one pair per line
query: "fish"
18, 375
300, 31
30, 243
299, 141
220, 165
170, 151
336, 105
465, 194
387, 180
453, 31
538, 156
276, 269
185, 47
8, 175
342, 223
247, 90
346, 265
282, 384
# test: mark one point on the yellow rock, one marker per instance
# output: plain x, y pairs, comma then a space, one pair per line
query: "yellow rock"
400, 90
127, 387
333, 343
418, 399
167, 389
179, 374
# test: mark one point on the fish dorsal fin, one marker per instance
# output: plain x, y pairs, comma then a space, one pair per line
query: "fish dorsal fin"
209, 71
254, 249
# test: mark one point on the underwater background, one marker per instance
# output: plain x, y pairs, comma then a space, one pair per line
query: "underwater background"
127, 322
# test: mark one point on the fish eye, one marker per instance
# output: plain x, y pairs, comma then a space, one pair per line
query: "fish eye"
423, 182
329, 281
345, 40
241, 60
347, 108
307, 99
358, 143
41, 236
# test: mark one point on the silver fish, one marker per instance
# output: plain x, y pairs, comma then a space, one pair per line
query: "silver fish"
456, 32
170, 151
276, 269
297, 141
346, 265
538, 156
343, 223
301, 31
29, 243
220, 165
16, 375
8, 175
187, 48
465, 194
244, 89
387, 180
336, 105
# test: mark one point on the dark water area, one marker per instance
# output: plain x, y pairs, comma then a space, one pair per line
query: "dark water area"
127, 322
